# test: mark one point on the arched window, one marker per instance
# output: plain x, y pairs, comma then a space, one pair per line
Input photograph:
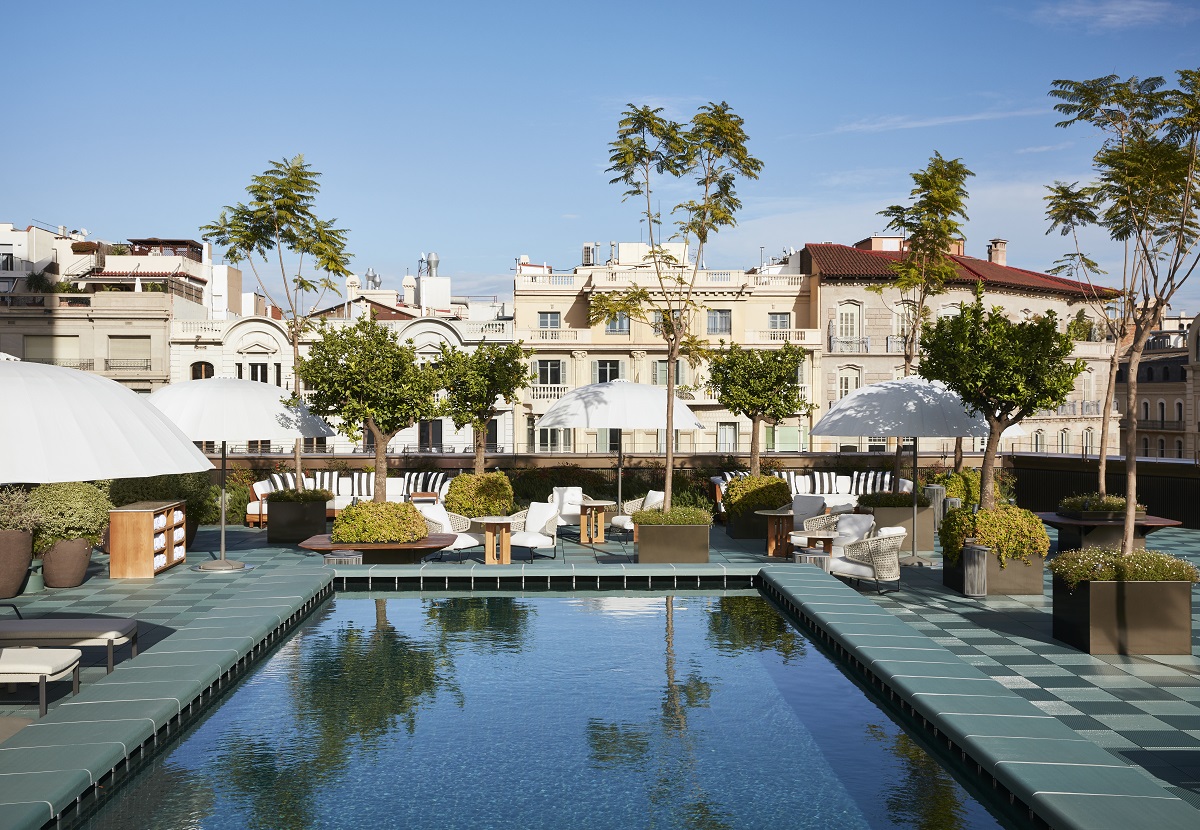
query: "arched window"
1145, 447
1064, 441
1179, 411
1179, 448
201, 370
1145, 410
1039, 441
1089, 441
848, 328
1162, 411
849, 379
1162, 448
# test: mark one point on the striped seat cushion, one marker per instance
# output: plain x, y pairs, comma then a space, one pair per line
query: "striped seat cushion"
824, 481
326, 480
283, 481
871, 481
363, 484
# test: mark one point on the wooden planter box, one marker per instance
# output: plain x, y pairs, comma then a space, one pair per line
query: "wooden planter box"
1124, 617
294, 521
746, 526
671, 543
903, 517
1017, 578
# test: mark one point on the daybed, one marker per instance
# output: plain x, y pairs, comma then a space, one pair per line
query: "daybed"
841, 492
346, 489
40, 666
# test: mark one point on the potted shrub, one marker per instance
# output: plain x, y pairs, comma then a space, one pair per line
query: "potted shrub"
1018, 542
202, 496
1106, 603
746, 494
488, 494
72, 517
377, 522
678, 535
896, 510
18, 520
295, 515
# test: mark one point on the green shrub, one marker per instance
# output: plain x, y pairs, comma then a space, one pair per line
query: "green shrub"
674, 516
537, 483
201, 495
745, 494
1094, 501
470, 495
1011, 533
379, 521
964, 485
237, 496
890, 499
299, 496
68, 510
1107, 564
16, 511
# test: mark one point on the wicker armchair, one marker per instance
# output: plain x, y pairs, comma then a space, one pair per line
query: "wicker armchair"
826, 521
458, 524
876, 558
535, 538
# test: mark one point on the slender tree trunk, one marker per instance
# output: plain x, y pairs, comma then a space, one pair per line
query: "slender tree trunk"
299, 447
958, 455
755, 446
381, 442
1131, 425
897, 465
987, 475
480, 449
1110, 392
669, 455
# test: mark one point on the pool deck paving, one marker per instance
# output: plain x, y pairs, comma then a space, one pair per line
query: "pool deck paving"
1065, 714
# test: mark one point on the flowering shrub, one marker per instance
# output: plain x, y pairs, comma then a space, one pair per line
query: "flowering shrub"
379, 521
1107, 564
1094, 501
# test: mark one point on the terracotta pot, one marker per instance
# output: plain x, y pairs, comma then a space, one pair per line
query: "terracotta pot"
16, 555
66, 563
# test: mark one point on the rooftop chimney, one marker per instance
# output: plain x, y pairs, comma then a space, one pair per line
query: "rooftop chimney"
996, 251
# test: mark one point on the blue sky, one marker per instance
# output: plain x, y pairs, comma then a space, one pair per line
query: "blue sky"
480, 130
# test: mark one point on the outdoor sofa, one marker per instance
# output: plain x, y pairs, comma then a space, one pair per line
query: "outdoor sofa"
841, 492
345, 489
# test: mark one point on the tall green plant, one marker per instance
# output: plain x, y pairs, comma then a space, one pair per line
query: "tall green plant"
650, 148
281, 216
475, 383
364, 376
1144, 197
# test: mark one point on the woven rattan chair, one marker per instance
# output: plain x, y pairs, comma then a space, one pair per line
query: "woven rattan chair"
876, 558
535, 538
459, 525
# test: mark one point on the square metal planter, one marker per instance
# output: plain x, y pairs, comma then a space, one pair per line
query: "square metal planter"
1124, 617
294, 521
658, 544
1016, 578
903, 517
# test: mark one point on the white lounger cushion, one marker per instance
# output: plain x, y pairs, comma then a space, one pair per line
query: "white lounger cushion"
81, 631
29, 665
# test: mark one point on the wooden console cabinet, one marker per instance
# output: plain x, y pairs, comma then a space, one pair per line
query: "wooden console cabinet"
132, 534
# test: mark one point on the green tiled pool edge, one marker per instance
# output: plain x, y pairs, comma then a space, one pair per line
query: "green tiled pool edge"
55, 763
1066, 781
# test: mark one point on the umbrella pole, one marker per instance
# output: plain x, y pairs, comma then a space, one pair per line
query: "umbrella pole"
620, 467
222, 564
915, 559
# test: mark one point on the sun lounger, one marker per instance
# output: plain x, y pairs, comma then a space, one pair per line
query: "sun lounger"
40, 665
69, 631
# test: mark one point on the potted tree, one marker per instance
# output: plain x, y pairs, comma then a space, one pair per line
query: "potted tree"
1107, 603
676, 535
18, 520
72, 518
485, 494
896, 510
296, 514
1016, 538
745, 495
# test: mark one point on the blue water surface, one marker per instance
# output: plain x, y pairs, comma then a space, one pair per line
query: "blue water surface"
545, 712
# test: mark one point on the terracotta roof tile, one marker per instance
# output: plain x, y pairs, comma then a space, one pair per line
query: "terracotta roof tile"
845, 262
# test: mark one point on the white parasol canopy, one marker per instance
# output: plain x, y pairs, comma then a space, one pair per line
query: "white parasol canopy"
232, 410
617, 404
62, 424
909, 407
236, 411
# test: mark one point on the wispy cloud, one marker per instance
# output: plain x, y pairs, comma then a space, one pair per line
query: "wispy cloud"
1112, 15
570, 216
888, 123
1044, 148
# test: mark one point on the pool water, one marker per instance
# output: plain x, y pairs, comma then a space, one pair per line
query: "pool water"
545, 712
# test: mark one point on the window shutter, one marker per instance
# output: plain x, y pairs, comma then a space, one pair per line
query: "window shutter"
623, 369
595, 371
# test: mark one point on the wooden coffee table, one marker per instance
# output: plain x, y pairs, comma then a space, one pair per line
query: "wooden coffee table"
497, 544
591, 520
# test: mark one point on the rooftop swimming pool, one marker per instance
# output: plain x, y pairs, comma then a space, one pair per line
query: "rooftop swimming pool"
585, 711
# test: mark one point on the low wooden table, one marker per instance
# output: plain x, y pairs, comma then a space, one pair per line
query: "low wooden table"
1102, 533
780, 523
822, 537
497, 544
383, 553
591, 520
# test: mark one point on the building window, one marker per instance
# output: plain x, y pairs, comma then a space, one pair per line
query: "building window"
662, 440
429, 435
258, 447
258, 372
659, 378
548, 440
317, 444
1162, 448
1162, 411
779, 320
608, 440
202, 370
1039, 441
549, 372
657, 321
1179, 411
720, 321
727, 437
847, 321
604, 371
279, 374
849, 379
1178, 448
1145, 410
877, 443
1089, 441
1064, 442
618, 324
1145, 447
549, 319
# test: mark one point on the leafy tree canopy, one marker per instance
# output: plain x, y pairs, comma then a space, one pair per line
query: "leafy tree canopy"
476, 382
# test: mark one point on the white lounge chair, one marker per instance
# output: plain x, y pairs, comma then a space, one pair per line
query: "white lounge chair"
536, 528
876, 558
109, 632
440, 520
40, 666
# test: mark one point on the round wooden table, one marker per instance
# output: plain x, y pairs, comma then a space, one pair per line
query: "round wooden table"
780, 523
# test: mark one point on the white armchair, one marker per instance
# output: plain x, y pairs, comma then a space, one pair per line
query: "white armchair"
536, 528
440, 520
567, 501
876, 558
852, 527
624, 520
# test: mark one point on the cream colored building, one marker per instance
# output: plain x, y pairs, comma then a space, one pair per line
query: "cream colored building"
816, 298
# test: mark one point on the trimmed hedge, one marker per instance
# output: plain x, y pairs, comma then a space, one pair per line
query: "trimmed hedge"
1107, 564
69, 510
890, 499
489, 494
674, 516
1094, 501
745, 494
379, 521
299, 496
202, 497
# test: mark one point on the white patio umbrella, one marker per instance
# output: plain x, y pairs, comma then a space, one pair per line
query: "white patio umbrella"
232, 410
909, 407
617, 404
62, 424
